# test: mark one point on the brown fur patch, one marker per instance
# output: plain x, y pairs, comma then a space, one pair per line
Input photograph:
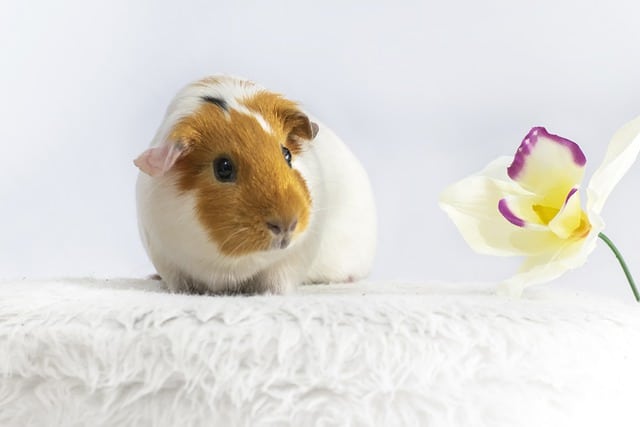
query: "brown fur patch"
235, 214
294, 123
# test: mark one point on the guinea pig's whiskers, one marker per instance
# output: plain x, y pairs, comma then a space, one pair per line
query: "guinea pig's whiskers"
312, 232
232, 236
319, 210
237, 249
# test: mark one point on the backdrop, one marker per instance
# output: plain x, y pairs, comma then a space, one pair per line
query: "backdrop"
424, 92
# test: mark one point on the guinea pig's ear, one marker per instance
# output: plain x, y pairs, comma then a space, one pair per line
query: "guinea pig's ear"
156, 161
300, 126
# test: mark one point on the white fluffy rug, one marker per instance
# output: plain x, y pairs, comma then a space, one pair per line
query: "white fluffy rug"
123, 352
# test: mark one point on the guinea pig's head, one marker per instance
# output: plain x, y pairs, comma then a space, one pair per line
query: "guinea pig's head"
235, 150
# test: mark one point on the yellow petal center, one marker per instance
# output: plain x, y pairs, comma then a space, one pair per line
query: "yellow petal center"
583, 229
570, 222
545, 213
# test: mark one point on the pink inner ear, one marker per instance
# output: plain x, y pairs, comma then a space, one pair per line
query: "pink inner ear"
156, 161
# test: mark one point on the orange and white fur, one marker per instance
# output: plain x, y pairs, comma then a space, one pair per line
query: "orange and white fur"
241, 191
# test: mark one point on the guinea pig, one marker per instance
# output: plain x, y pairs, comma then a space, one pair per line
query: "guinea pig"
242, 192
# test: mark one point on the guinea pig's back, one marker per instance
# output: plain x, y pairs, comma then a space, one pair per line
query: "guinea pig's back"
343, 208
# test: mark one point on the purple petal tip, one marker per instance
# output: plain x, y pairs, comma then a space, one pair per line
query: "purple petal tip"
571, 193
503, 208
530, 141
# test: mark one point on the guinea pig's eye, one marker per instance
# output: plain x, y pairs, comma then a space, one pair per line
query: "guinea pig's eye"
287, 155
224, 170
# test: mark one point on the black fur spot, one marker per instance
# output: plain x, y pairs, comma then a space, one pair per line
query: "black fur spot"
217, 101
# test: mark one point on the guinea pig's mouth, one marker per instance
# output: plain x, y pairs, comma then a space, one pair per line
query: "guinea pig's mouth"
280, 242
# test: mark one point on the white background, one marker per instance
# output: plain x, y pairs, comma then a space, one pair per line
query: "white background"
425, 93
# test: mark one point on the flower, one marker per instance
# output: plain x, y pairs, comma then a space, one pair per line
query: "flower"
529, 205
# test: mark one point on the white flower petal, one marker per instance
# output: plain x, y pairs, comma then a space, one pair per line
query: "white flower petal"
621, 154
553, 264
518, 210
472, 204
569, 218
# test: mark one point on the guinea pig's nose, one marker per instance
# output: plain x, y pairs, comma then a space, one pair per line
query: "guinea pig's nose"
277, 226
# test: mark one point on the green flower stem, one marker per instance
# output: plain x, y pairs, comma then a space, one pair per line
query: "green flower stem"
622, 264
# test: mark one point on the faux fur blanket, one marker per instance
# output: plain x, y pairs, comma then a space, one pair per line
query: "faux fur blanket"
126, 353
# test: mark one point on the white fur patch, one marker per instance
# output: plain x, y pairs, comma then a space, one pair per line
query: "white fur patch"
257, 116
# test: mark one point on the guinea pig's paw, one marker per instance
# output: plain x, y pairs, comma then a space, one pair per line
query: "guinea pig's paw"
180, 283
273, 281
